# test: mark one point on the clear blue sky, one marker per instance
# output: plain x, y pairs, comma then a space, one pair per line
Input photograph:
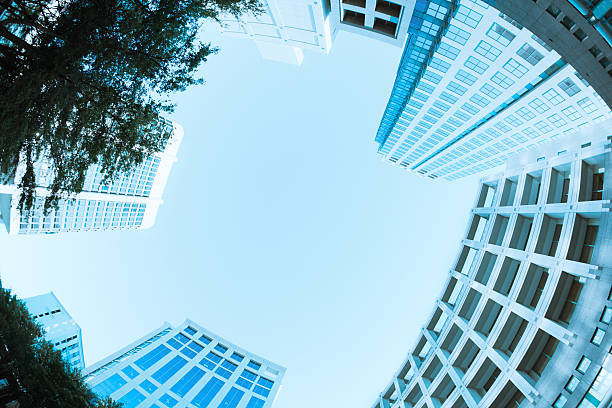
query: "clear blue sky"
282, 230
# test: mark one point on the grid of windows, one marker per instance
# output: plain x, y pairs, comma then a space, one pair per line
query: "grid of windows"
423, 136
470, 306
166, 377
82, 215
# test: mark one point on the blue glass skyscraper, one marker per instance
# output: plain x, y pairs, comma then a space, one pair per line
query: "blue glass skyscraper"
186, 366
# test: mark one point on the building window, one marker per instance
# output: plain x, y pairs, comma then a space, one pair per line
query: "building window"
529, 54
598, 336
572, 384
569, 87
583, 365
465, 77
490, 91
606, 316
479, 100
445, 96
500, 34
456, 34
515, 68
166, 400
432, 77
221, 348
437, 63
587, 105
131, 399
254, 365
557, 120
502, 80
538, 105
560, 401
525, 113
448, 51
553, 96
572, 113
468, 16
456, 88
487, 50
476, 65
208, 392
470, 108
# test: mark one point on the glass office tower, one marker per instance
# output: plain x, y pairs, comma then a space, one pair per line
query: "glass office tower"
186, 366
475, 87
59, 327
129, 202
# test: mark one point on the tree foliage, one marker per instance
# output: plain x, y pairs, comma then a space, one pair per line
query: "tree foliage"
85, 81
38, 375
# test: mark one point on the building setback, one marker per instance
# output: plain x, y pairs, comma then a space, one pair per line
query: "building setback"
129, 202
285, 29
524, 317
475, 87
288, 27
186, 366
59, 327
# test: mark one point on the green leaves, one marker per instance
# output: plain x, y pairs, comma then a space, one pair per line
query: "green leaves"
84, 81
37, 375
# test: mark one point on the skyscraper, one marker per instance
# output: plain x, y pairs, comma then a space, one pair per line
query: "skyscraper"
474, 87
524, 317
129, 202
59, 327
579, 30
285, 29
183, 367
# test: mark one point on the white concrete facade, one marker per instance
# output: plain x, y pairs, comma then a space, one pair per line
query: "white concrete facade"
186, 366
381, 20
129, 202
579, 30
490, 89
524, 317
59, 327
285, 29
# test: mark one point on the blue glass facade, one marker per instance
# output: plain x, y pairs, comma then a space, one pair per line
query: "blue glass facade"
187, 368
424, 35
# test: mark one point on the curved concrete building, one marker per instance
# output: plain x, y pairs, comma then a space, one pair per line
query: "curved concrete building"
579, 30
524, 317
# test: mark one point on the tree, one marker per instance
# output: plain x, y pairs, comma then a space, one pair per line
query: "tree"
85, 82
34, 374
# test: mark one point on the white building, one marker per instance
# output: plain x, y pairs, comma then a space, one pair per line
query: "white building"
183, 367
386, 21
59, 327
285, 29
473, 88
129, 202
288, 27
523, 320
